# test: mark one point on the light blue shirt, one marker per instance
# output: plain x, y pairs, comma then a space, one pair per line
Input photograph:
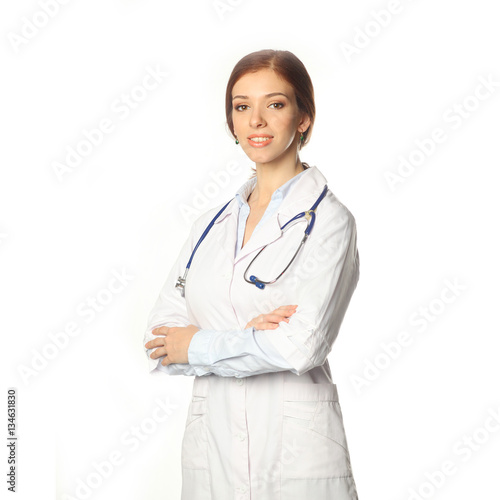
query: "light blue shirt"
244, 209
248, 353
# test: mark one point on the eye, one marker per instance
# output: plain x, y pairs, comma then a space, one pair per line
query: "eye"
237, 108
279, 104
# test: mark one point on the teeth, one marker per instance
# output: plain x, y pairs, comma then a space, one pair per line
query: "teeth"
260, 139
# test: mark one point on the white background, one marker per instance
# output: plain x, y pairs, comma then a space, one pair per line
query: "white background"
122, 210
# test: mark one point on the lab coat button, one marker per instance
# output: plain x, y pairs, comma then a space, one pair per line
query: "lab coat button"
242, 437
239, 381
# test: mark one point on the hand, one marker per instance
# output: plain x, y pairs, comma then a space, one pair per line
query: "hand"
272, 320
173, 343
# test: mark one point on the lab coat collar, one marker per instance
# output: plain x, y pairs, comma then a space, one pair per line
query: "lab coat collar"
300, 197
279, 194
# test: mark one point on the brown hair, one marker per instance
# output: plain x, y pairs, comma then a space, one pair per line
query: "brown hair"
289, 67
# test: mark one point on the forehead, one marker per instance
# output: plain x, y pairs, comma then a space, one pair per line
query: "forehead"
261, 82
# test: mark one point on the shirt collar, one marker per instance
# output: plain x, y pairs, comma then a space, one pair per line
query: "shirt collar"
279, 194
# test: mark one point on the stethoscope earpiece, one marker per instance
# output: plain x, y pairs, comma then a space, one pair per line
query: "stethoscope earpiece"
257, 283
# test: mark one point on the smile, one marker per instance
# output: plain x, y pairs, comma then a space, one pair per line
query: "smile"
260, 141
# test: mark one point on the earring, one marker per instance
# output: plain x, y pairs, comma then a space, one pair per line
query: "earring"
301, 137
237, 142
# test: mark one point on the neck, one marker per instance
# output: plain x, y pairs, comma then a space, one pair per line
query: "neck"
270, 176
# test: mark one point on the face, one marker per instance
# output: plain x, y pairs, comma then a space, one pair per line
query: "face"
266, 118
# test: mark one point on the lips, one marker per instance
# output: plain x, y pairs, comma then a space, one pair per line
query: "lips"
259, 140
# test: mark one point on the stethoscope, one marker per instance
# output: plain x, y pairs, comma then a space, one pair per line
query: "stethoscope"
310, 216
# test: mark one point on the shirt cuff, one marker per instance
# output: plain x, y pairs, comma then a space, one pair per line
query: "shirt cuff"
199, 348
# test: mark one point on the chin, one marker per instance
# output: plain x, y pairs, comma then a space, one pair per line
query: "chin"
262, 159
262, 156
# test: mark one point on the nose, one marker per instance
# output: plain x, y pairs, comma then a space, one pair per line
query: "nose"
257, 118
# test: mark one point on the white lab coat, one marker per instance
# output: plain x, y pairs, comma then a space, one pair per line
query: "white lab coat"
277, 435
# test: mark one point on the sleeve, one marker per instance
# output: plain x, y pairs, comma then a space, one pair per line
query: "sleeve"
234, 353
170, 310
322, 286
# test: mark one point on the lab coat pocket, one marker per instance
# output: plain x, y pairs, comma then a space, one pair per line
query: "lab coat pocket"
197, 408
329, 423
314, 444
194, 443
299, 413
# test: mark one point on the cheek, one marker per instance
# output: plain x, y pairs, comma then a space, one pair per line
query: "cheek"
235, 119
285, 122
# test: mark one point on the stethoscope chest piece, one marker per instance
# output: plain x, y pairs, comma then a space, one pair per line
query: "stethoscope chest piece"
181, 284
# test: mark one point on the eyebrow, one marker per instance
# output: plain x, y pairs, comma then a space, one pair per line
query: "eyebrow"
267, 95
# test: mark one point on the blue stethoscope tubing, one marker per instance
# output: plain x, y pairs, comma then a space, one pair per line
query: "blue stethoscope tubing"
308, 214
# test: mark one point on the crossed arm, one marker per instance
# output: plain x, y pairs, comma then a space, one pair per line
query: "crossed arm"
173, 342
271, 342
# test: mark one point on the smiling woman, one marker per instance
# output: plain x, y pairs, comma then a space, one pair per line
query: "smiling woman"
267, 120
286, 71
264, 420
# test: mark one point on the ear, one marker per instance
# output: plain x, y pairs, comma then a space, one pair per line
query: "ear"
304, 123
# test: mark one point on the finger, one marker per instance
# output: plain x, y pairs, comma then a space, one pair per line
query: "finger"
266, 326
285, 309
158, 353
160, 331
154, 343
274, 318
281, 314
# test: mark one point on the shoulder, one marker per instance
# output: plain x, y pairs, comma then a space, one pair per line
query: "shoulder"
335, 225
205, 218
307, 191
332, 211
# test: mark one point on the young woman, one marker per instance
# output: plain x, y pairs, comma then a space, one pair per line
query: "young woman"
256, 316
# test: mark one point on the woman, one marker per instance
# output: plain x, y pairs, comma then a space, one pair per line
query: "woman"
264, 421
